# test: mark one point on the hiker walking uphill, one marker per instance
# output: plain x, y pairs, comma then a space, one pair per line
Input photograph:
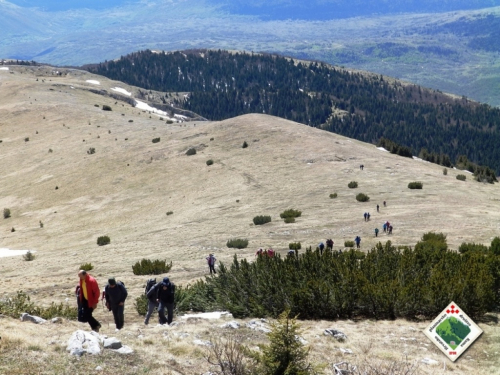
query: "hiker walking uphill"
321, 247
376, 232
164, 292
358, 241
152, 303
88, 295
211, 263
115, 295
329, 244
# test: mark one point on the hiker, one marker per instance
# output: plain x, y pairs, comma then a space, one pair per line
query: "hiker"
376, 232
164, 292
329, 244
358, 241
211, 263
365, 215
378, 208
88, 294
385, 205
259, 252
291, 253
390, 229
384, 227
361, 166
321, 247
115, 295
152, 303
270, 253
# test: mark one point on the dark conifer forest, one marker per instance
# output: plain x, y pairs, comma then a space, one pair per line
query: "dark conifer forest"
364, 106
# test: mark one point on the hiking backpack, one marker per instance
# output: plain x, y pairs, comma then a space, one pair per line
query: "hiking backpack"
151, 283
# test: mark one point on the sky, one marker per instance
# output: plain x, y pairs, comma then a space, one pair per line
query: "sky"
60, 5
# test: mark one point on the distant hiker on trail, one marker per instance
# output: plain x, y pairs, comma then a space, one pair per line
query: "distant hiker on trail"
365, 215
390, 229
361, 166
291, 253
164, 293
329, 244
88, 294
321, 247
259, 252
376, 232
385, 205
378, 208
270, 253
385, 227
358, 241
152, 303
211, 263
115, 295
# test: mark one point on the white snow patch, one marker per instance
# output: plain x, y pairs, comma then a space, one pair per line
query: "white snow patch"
12, 253
4, 68
122, 91
93, 81
209, 315
181, 117
146, 107
382, 149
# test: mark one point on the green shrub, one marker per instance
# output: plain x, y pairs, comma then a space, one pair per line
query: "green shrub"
289, 220
21, 303
91, 151
13, 230
348, 243
6, 213
103, 240
445, 171
294, 246
415, 185
259, 220
290, 213
212, 138
41, 224
361, 197
156, 140
130, 120
26, 139
245, 144
352, 185
170, 213
461, 177
334, 195
96, 105
106, 107
210, 162
29, 256
191, 151
151, 267
170, 122
237, 243
141, 304
86, 266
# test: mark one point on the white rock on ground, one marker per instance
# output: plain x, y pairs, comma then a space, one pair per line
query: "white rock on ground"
429, 361
30, 318
112, 343
338, 335
232, 324
202, 342
82, 342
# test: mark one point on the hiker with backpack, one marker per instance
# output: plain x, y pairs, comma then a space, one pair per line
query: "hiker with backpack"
321, 247
329, 244
88, 295
115, 295
376, 232
164, 293
152, 303
358, 241
211, 263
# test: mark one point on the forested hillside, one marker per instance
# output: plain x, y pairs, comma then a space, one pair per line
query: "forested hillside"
363, 106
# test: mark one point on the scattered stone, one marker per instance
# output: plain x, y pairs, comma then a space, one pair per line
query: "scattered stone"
408, 338
112, 343
232, 324
98, 368
258, 326
429, 361
124, 350
202, 342
301, 340
82, 342
57, 320
31, 318
346, 351
338, 335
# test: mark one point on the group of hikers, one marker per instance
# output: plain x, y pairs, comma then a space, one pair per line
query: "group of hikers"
160, 295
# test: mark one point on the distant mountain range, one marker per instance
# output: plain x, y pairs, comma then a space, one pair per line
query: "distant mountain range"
453, 47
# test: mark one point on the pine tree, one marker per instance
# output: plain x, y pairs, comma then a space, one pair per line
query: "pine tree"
285, 354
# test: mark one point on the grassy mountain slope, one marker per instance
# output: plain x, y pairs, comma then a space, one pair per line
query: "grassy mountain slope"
125, 189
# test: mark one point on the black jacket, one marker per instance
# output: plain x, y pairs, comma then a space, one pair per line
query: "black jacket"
165, 296
114, 296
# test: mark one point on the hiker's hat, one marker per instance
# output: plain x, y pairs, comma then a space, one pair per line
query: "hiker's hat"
166, 281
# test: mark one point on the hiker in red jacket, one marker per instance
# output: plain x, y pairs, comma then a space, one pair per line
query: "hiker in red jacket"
89, 294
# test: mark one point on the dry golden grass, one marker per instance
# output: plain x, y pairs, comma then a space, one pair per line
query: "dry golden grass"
125, 189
